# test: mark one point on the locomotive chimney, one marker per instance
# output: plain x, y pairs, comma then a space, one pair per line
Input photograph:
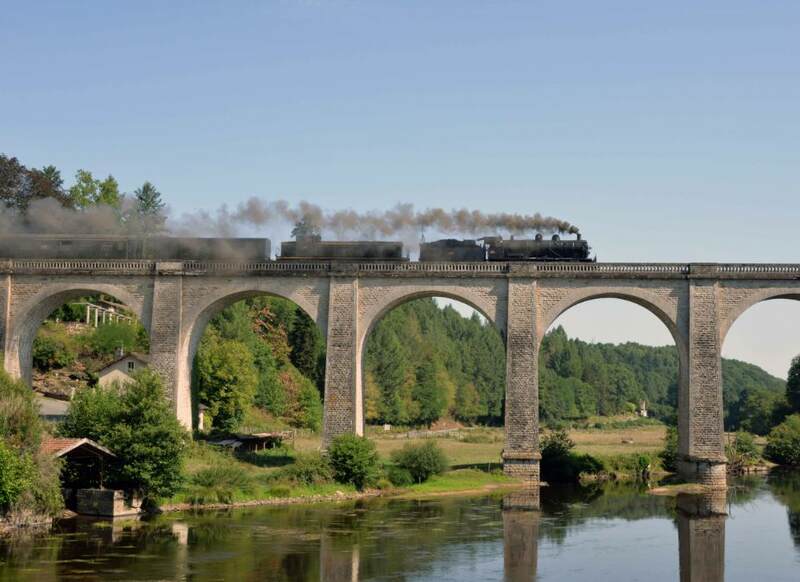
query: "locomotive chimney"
579, 236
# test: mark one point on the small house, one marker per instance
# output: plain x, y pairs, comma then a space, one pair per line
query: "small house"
121, 369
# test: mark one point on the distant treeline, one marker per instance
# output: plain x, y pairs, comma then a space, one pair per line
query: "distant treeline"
424, 363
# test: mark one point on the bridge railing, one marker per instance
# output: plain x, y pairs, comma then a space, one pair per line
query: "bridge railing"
759, 268
245, 267
83, 265
434, 267
646, 270
673, 268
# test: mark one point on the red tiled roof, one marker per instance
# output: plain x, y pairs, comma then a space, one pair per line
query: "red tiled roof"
60, 446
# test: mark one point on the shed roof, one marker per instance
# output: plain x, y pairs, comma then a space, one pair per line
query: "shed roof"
58, 447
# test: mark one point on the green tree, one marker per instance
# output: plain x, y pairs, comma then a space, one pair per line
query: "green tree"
307, 347
19, 186
137, 423
354, 460
108, 193
793, 385
149, 210
426, 392
226, 379
29, 484
783, 442
468, 403
84, 192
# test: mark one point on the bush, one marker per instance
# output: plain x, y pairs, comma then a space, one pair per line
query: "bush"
669, 455
220, 483
53, 350
279, 491
29, 481
137, 423
309, 469
17, 474
557, 444
783, 442
399, 477
421, 461
106, 339
559, 464
354, 460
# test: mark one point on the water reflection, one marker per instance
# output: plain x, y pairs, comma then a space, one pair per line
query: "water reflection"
521, 535
609, 532
701, 536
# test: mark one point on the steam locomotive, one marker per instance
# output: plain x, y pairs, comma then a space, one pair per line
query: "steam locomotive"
36, 246
495, 248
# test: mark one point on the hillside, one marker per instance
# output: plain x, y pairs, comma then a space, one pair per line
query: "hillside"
424, 362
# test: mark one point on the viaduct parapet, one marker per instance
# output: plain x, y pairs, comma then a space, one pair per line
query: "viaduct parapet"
175, 300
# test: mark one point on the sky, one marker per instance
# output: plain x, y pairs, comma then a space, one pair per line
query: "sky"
666, 131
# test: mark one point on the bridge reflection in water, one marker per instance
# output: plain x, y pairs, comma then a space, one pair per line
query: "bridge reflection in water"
701, 536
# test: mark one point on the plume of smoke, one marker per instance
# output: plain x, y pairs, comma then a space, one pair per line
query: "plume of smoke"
398, 221
48, 216
402, 221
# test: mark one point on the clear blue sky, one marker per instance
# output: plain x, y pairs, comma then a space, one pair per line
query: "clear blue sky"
667, 131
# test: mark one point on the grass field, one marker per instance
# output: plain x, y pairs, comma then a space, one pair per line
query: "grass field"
480, 449
597, 442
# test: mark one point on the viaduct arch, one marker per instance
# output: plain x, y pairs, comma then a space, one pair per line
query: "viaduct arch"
174, 300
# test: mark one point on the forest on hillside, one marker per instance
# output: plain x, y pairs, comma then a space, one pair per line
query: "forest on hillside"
261, 364
424, 362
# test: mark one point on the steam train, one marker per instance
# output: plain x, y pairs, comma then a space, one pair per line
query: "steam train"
304, 248
36, 246
495, 248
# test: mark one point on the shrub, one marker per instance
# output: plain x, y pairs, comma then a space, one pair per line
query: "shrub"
384, 484
421, 461
137, 423
783, 442
106, 339
309, 469
29, 483
354, 460
669, 455
53, 350
559, 464
279, 491
399, 477
220, 483
17, 474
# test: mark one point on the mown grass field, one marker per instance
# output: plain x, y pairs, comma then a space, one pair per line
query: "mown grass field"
597, 442
475, 461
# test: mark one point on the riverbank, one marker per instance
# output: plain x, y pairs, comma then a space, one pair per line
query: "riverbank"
466, 482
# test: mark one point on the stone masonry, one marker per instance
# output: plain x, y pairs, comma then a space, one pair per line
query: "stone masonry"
175, 301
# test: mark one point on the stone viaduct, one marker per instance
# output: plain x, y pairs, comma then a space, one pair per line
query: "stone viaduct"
175, 300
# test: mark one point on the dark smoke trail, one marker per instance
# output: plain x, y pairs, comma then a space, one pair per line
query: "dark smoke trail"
401, 219
49, 217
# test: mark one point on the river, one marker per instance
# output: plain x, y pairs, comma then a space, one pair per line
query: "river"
612, 532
